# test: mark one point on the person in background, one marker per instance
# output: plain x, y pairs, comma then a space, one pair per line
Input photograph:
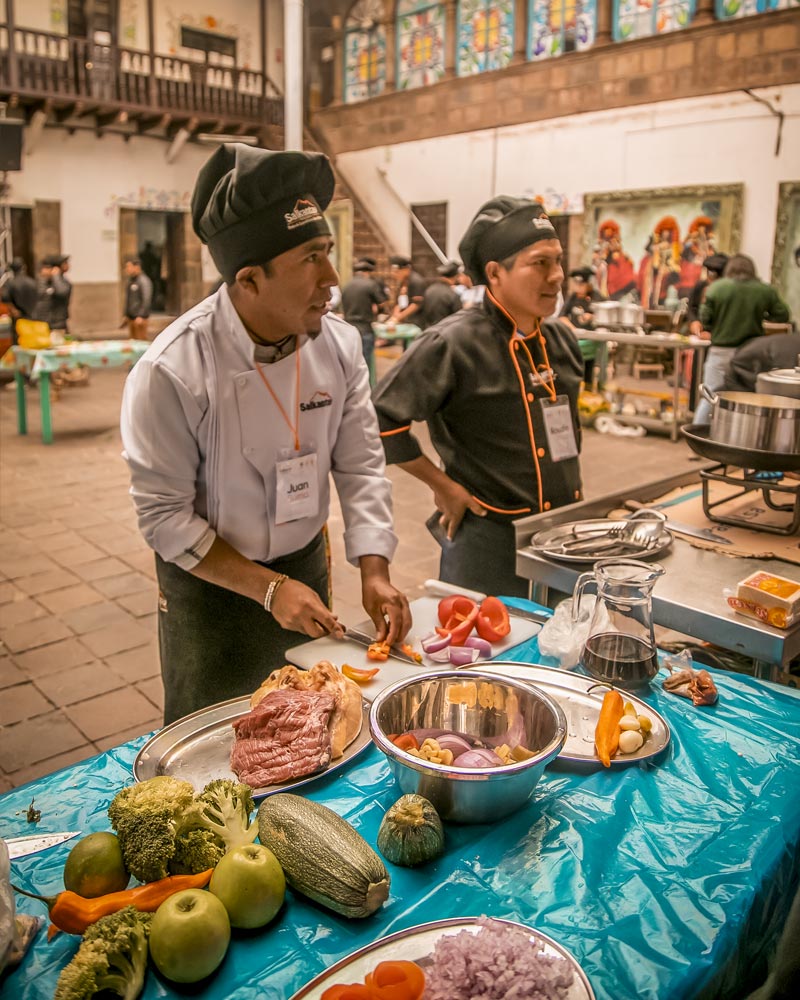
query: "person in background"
59, 303
470, 294
733, 312
52, 294
409, 294
138, 299
361, 298
714, 266
498, 388
578, 305
761, 354
233, 423
440, 298
20, 293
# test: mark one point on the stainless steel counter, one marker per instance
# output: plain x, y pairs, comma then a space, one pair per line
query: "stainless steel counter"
689, 597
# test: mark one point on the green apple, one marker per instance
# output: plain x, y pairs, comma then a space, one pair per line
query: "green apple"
250, 883
189, 935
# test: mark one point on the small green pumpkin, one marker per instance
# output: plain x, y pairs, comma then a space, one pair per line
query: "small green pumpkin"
411, 832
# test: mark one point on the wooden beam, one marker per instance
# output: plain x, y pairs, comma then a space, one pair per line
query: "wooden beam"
106, 118
13, 69
66, 112
147, 122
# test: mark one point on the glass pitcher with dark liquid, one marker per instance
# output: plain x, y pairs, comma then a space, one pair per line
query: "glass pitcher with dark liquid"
621, 647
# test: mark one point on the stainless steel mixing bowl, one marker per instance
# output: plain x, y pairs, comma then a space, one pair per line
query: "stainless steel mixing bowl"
478, 705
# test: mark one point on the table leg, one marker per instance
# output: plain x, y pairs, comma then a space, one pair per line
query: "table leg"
765, 671
676, 392
44, 402
22, 404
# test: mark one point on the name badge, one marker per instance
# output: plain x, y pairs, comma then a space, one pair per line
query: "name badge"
297, 489
559, 428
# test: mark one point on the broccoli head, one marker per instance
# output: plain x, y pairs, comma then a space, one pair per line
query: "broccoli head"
112, 958
145, 818
219, 817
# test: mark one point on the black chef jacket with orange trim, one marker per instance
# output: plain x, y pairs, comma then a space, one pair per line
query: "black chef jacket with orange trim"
460, 378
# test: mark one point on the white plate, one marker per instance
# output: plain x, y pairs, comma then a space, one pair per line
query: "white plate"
416, 944
581, 699
197, 748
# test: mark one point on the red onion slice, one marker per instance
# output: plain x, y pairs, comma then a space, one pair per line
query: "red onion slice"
460, 656
484, 648
478, 758
435, 643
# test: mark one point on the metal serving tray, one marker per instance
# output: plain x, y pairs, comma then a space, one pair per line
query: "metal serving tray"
551, 541
197, 748
581, 699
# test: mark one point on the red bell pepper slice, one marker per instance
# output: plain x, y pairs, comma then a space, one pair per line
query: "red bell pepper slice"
458, 616
493, 623
406, 741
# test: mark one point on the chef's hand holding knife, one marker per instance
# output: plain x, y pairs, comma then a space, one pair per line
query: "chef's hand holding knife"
383, 602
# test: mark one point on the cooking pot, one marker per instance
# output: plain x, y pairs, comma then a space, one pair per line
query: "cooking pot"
755, 420
629, 314
780, 381
605, 313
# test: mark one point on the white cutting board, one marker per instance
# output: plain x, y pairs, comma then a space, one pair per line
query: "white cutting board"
425, 619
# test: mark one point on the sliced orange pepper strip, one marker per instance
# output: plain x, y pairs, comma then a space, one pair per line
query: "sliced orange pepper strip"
378, 651
409, 650
359, 674
606, 736
355, 991
406, 741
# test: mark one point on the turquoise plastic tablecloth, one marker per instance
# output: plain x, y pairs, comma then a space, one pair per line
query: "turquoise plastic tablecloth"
667, 881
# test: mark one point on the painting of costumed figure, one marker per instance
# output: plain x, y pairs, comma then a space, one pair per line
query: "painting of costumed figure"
616, 278
699, 244
659, 269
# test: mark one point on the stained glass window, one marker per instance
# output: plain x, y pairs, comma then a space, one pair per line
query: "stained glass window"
420, 43
743, 8
559, 26
364, 51
640, 18
485, 35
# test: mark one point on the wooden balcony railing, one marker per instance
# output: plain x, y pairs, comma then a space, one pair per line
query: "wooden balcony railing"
60, 67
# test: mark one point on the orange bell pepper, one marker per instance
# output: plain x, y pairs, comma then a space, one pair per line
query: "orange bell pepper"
396, 980
359, 674
406, 741
409, 650
606, 735
379, 651
355, 991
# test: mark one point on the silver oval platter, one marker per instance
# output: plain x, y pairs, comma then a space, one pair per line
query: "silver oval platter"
581, 699
197, 748
416, 944
553, 542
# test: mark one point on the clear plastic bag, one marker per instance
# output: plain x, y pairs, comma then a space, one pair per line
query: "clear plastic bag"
561, 640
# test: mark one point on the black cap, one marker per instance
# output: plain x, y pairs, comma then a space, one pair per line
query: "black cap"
584, 273
51, 260
716, 263
502, 227
398, 260
251, 205
449, 269
364, 264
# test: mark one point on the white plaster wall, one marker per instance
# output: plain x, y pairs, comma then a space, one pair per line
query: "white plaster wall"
721, 139
132, 27
93, 178
275, 42
235, 18
43, 15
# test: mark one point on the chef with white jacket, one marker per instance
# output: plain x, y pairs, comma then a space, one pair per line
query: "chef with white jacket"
232, 424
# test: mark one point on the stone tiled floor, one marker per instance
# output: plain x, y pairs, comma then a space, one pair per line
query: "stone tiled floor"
78, 654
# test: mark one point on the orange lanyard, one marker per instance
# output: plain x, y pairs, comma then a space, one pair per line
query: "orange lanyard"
294, 428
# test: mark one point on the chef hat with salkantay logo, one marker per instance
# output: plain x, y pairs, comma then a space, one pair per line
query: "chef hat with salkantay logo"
250, 205
502, 227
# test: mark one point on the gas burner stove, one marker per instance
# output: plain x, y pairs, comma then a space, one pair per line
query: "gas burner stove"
778, 493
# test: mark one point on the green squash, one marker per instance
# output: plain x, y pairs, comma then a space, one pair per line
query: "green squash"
411, 832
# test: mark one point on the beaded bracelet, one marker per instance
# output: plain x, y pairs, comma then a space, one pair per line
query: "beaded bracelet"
272, 590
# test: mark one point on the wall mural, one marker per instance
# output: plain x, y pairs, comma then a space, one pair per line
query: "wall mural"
155, 199
209, 22
485, 31
641, 18
559, 26
420, 43
786, 255
58, 16
649, 246
128, 23
726, 9
364, 52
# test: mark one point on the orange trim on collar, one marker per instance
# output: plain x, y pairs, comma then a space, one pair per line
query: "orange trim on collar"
397, 430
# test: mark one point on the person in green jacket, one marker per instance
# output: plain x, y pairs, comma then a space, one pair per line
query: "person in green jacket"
733, 312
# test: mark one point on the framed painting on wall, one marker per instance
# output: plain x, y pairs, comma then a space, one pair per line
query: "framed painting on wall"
649, 246
786, 255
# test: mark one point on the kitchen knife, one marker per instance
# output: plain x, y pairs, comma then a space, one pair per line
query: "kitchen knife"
32, 843
707, 534
438, 588
363, 639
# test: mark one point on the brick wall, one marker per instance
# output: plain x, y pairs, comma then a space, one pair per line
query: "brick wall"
759, 51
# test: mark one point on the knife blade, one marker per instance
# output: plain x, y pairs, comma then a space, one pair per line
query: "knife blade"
439, 588
363, 639
32, 843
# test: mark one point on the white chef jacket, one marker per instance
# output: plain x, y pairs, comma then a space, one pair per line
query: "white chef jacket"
202, 434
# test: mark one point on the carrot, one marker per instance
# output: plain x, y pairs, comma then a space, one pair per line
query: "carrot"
73, 913
606, 736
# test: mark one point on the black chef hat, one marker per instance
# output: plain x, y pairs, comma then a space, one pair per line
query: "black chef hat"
52, 260
364, 264
250, 205
398, 260
584, 273
449, 269
502, 227
716, 263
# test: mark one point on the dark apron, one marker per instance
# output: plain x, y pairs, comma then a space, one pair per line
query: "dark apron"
215, 644
482, 556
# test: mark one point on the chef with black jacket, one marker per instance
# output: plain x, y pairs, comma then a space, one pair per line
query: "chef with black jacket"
498, 387
361, 297
440, 298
